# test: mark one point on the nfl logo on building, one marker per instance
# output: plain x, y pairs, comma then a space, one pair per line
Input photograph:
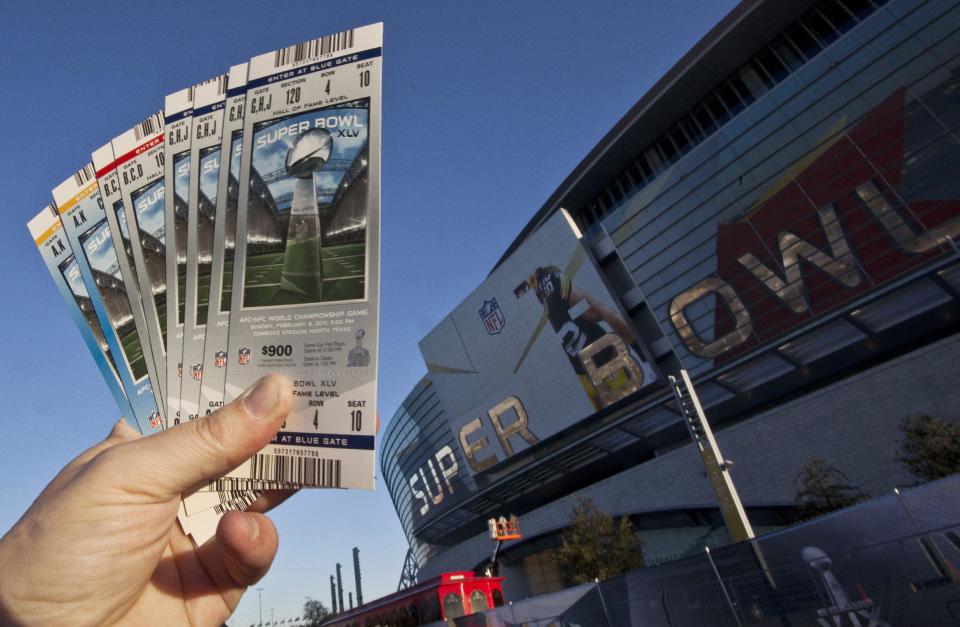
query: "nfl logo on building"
244, 356
180, 370
197, 372
155, 420
220, 359
492, 316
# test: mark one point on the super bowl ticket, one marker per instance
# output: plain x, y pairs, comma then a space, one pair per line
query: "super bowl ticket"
224, 236
207, 126
108, 181
85, 224
138, 161
52, 244
178, 112
305, 298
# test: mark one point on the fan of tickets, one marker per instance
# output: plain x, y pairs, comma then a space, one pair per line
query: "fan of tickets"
233, 234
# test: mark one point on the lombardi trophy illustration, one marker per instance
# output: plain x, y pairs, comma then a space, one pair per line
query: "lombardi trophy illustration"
302, 262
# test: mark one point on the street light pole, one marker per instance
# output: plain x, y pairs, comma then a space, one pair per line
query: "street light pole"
717, 468
260, 600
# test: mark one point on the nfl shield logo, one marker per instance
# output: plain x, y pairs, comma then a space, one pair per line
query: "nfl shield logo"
180, 370
220, 359
197, 372
492, 316
155, 420
244, 356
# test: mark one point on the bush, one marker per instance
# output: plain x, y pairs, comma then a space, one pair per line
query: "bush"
930, 448
823, 488
595, 546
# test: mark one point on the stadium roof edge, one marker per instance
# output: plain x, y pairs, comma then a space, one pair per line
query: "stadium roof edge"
740, 34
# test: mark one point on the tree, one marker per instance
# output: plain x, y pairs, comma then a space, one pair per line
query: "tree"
595, 546
315, 612
823, 488
930, 448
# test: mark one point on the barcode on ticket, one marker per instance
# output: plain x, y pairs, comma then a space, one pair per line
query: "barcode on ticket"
241, 503
226, 497
279, 471
313, 48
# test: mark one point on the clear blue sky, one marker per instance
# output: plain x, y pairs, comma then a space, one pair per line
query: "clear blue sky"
487, 107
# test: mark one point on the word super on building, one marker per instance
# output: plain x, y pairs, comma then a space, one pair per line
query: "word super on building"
779, 216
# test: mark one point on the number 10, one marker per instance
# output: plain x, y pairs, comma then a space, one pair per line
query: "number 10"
356, 420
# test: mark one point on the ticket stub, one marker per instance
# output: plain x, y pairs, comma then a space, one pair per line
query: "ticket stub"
202, 525
85, 224
178, 113
138, 159
305, 298
204, 173
109, 186
207, 125
224, 232
47, 232
108, 181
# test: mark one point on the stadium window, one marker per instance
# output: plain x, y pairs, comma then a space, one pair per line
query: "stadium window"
604, 202
859, 9
653, 157
787, 53
582, 218
741, 89
756, 72
716, 109
680, 139
542, 573
613, 188
636, 174
749, 83
692, 129
803, 41
595, 215
816, 24
668, 149
626, 182
730, 98
705, 120
645, 167
838, 16
497, 598
772, 65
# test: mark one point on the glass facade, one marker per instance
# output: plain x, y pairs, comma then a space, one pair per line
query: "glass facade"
421, 462
788, 52
829, 185
805, 205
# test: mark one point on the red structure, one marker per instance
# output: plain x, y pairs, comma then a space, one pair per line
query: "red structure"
451, 595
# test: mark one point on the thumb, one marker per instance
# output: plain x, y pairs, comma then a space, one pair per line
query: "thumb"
177, 460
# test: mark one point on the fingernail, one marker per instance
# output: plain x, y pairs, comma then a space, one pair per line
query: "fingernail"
262, 398
254, 527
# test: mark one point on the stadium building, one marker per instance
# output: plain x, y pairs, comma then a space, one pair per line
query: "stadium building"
780, 217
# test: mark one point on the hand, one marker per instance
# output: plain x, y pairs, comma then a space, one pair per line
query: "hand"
101, 543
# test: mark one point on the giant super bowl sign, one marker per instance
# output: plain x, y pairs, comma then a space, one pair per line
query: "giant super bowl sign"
540, 345
863, 208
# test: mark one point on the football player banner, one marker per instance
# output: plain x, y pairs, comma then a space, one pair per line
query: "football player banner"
538, 346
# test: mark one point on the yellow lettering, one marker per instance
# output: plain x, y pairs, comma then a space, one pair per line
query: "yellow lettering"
518, 427
741, 317
603, 375
470, 450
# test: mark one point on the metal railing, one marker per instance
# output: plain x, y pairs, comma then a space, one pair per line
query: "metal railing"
891, 561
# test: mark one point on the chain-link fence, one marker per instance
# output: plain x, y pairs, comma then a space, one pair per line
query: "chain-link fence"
893, 561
